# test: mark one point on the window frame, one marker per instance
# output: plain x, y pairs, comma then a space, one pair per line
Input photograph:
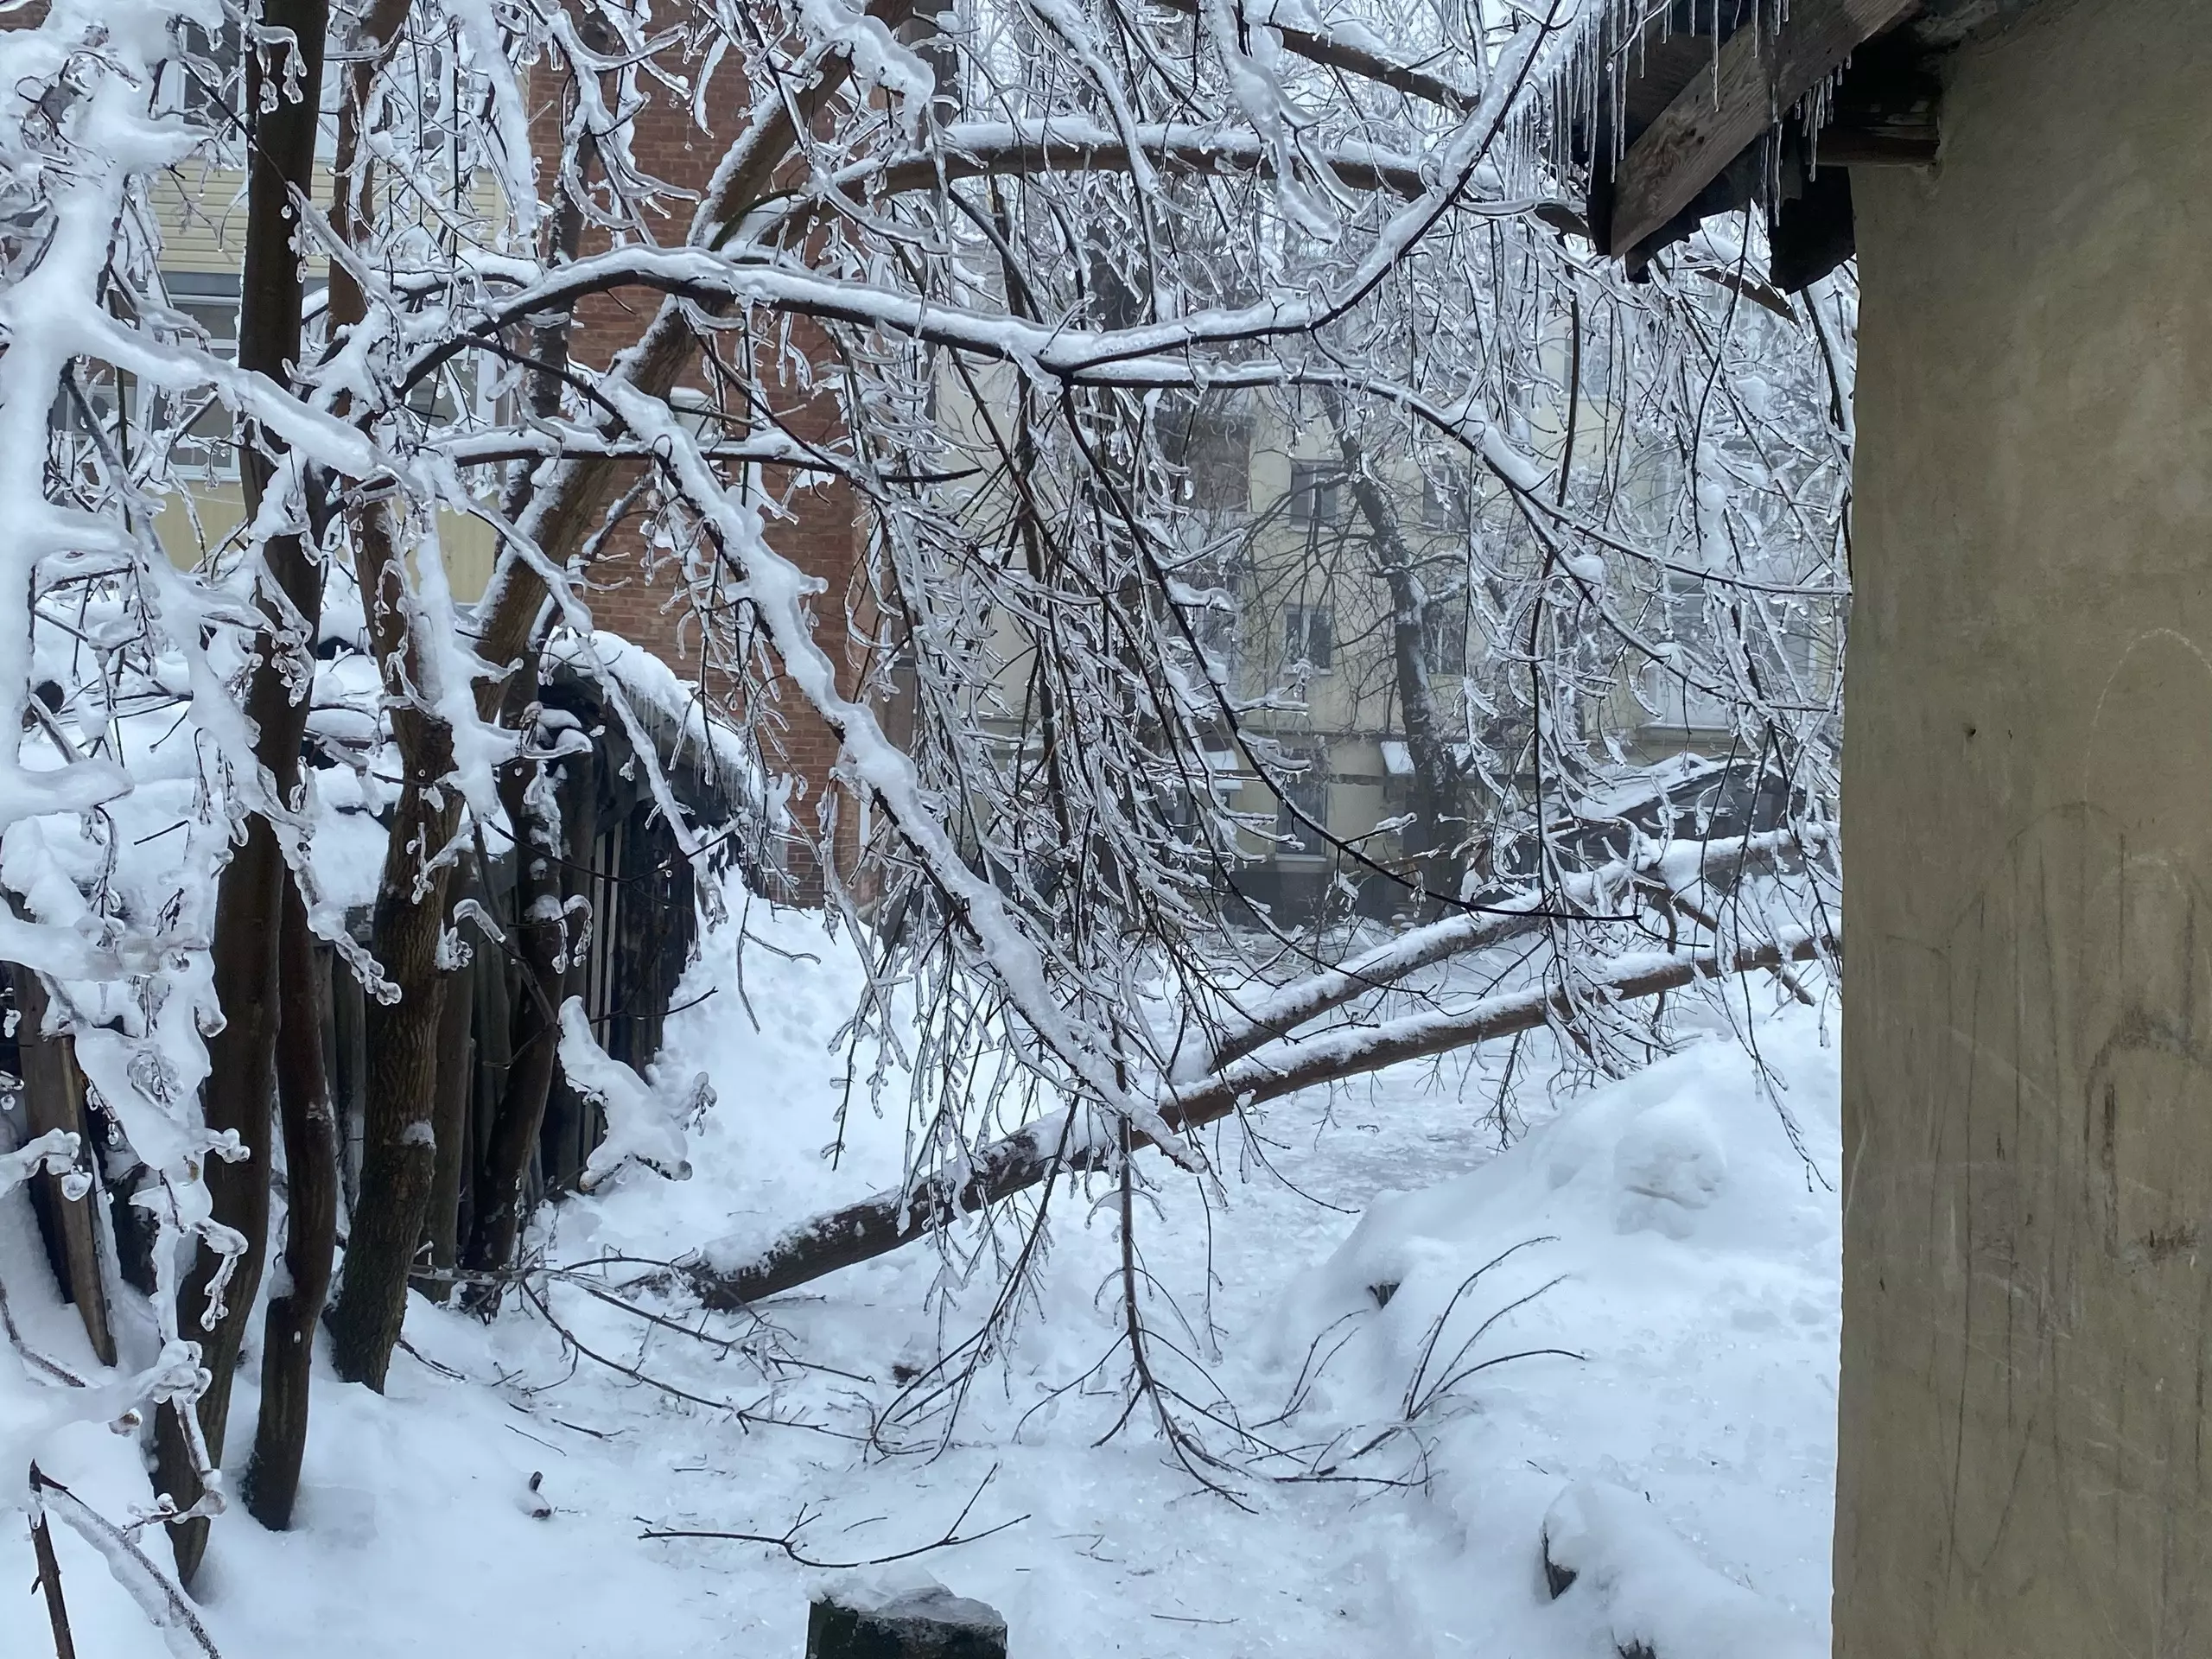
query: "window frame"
1297, 635
202, 296
1315, 500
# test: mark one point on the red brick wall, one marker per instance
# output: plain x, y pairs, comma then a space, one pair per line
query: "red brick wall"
641, 592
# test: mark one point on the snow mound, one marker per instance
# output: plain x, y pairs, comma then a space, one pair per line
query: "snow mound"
1669, 1162
1651, 1591
1639, 1302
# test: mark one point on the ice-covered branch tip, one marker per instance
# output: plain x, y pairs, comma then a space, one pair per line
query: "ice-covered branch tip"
54, 1151
639, 1127
729, 1275
157, 1597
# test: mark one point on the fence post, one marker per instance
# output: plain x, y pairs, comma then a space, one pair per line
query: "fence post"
930, 1622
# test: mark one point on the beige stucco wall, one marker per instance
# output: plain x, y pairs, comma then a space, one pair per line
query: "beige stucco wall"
2026, 1412
187, 529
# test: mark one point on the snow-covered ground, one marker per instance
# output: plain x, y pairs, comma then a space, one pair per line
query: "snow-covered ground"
1682, 1444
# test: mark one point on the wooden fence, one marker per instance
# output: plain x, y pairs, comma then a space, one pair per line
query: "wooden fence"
619, 855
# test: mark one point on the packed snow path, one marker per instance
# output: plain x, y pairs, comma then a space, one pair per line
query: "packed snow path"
1686, 1459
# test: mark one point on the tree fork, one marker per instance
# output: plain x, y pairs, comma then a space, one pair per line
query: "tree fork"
399, 1163
878, 1225
283, 114
576, 496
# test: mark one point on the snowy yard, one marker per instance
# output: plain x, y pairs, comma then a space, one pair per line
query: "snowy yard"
1691, 1258
1177, 530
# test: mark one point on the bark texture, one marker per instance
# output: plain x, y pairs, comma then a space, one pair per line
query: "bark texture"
441, 1228
399, 1138
250, 899
310, 1127
540, 929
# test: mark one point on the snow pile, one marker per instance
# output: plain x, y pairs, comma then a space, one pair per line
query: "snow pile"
493, 1501
1650, 1592
1620, 1334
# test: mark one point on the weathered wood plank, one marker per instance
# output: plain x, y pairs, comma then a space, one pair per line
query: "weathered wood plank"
54, 1098
1759, 74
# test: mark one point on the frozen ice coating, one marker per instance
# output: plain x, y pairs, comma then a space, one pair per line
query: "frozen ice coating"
1177, 1266
641, 1127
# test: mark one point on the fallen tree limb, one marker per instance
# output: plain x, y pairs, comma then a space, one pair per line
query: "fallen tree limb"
1282, 1009
1055, 1144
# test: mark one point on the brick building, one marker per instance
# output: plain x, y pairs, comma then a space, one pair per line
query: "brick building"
636, 585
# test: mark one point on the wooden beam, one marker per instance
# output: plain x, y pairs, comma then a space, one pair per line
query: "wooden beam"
1886, 112
1948, 23
54, 1098
1759, 72
1882, 146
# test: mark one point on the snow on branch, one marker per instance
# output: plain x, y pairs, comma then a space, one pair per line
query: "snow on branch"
732, 1274
639, 1128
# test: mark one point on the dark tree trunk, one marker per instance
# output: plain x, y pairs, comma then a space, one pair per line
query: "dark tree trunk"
250, 897
541, 930
496, 1214
488, 1075
54, 1098
399, 1138
456, 1024
310, 1124
240, 1063
398, 1158
563, 1130
349, 1062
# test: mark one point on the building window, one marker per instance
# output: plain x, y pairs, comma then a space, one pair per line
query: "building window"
1308, 638
1214, 626
208, 79
206, 447
1444, 635
1301, 802
1312, 493
1681, 697
1208, 441
1446, 503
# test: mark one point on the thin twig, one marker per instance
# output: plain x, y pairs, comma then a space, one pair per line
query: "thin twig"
788, 1540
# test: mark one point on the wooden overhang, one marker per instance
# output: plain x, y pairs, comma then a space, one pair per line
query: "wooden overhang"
1709, 105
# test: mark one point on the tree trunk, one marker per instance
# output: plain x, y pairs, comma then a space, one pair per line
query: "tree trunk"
54, 1098
456, 1024
399, 1150
566, 1111
1435, 842
250, 897
272, 1479
398, 1156
540, 927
